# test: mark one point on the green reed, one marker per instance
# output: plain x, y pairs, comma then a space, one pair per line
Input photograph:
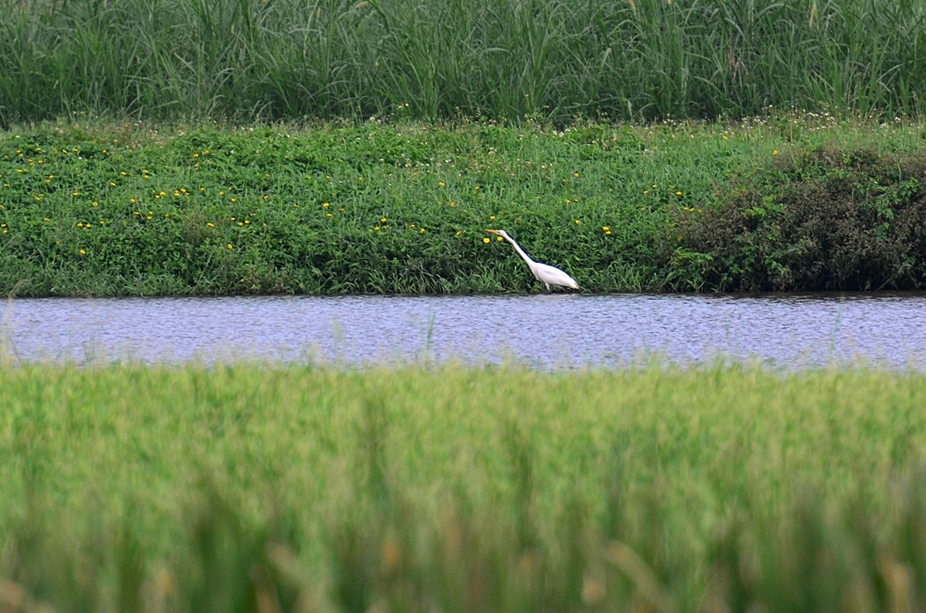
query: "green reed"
622, 59
251, 487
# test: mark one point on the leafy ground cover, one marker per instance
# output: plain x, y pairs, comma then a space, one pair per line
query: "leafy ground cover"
118, 208
250, 487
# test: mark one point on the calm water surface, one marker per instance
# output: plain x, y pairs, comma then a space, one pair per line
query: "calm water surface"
544, 331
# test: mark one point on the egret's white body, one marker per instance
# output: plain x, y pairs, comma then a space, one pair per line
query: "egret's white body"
550, 275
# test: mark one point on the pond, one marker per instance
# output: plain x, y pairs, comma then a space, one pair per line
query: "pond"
546, 331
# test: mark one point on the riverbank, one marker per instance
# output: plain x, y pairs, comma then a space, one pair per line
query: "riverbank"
166, 488
790, 202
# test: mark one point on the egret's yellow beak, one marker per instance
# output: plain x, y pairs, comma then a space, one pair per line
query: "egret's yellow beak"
492, 231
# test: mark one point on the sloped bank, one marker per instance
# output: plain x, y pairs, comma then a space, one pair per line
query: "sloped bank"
796, 202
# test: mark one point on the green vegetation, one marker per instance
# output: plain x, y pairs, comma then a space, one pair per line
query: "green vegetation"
831, 219
387, 136
637, 60
331, 208
243, 487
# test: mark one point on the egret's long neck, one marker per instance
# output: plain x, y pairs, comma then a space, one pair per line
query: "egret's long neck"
520, 251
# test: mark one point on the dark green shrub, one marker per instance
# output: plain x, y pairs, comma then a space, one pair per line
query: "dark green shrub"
827, 219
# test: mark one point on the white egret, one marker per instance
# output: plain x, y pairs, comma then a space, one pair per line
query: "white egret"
550, 275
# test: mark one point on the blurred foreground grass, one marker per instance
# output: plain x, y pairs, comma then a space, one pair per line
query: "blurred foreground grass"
252, 487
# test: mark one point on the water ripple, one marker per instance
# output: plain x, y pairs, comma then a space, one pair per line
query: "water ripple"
544, 331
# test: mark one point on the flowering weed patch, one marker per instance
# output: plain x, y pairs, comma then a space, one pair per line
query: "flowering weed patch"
123, 209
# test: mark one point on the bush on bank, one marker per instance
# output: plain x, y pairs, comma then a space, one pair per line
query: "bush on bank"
823, 219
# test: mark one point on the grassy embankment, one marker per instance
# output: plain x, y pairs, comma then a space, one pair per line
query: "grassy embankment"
129, 488
795, 202
804, 223
632, 60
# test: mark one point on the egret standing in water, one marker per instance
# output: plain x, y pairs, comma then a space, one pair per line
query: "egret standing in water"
550, 275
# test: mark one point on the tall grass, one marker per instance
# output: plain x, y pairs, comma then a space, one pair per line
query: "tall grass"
621, 59
255, 488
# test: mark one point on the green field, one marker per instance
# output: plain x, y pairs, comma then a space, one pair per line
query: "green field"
791, 202
237, 488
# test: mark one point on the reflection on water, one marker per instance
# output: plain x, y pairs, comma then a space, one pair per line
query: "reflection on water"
543, 331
